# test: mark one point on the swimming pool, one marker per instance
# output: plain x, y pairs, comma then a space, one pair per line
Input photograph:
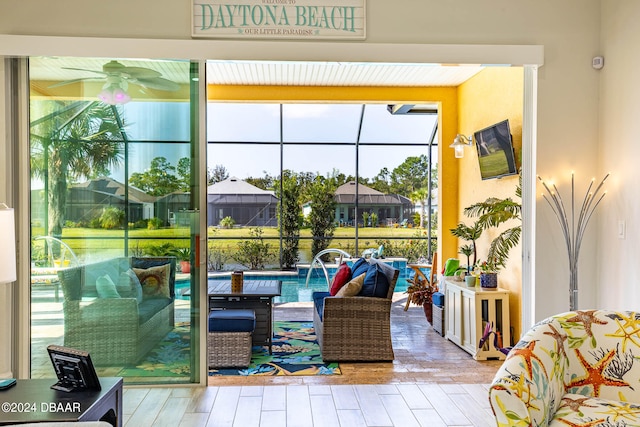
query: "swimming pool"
294, 288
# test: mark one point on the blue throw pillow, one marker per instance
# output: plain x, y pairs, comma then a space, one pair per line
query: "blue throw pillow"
106, 288
376, 283
359, 267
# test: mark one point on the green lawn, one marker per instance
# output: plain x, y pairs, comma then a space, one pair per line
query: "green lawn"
494, 164
89, 240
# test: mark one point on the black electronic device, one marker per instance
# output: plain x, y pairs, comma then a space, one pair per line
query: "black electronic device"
495, 151
74, 369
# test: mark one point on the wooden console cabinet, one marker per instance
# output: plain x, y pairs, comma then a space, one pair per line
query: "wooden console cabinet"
467, 311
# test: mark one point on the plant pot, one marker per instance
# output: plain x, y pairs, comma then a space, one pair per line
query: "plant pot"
470, 281
185, 266
489, 281
428, 312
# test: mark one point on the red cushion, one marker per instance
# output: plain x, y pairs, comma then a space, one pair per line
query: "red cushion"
343, 275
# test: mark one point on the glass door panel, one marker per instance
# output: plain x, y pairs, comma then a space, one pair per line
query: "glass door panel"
113, 202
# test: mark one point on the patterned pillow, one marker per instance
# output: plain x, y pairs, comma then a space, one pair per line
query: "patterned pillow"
352, 288
154, 281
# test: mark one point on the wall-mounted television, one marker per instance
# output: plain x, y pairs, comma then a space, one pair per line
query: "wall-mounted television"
74, 369
495, 151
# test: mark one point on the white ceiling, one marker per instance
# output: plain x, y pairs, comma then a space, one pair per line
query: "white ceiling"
271, 73
336, 74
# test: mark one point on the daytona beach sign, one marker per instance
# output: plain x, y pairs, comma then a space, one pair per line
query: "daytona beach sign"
299, 19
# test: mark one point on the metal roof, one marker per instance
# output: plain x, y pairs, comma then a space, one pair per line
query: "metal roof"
235, 186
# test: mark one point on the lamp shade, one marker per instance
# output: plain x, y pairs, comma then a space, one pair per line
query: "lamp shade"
8, 249
459, 142
458, 151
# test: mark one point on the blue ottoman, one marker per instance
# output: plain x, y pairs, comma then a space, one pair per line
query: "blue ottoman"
230, 337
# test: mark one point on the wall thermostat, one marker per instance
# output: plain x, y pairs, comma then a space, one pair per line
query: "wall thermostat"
597, 62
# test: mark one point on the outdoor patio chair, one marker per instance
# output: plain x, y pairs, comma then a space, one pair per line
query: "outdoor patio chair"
356, 328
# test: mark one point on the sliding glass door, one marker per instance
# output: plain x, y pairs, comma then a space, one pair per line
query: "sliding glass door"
114, 215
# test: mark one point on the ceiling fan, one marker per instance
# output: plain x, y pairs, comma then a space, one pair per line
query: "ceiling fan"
118, 77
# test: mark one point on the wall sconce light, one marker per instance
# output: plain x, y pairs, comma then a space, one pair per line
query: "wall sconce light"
459, 142
8, 249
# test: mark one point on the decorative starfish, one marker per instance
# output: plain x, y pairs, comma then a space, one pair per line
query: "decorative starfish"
594, 375
627, 412
560, 339
527, 354
629, 321
622, 332
575, 404
520, 388
588, 424
588, 319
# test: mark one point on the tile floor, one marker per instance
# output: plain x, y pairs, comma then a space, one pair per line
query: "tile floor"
431, 382
403, 405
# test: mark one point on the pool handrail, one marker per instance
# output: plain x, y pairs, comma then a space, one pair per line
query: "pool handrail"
324, 268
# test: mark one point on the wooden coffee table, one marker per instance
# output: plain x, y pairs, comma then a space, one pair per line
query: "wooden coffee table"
34, 401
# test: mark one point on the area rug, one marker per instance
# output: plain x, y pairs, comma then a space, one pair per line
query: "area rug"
295, 352
170, 358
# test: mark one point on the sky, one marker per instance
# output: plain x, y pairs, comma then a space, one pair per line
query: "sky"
243, 122
312, 123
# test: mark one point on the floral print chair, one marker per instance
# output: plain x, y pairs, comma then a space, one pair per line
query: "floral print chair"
578, 368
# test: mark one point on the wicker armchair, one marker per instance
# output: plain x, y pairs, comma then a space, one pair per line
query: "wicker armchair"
115, 331
356, 328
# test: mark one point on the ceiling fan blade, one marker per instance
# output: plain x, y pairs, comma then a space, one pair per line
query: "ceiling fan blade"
68, 82
157, 83
140, 72
84, 69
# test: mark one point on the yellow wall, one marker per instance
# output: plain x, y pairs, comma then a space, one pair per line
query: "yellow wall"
489, 97
446, 97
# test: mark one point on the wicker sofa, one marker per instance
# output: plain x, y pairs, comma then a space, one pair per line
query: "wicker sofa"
577, 368
118, 329
355, 328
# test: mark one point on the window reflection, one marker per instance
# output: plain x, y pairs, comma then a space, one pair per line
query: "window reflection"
112, 214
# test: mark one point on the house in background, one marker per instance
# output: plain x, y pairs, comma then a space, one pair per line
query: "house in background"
390, 208
173, 208
248, 205
87, 200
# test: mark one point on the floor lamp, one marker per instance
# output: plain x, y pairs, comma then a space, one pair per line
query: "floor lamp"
7, 277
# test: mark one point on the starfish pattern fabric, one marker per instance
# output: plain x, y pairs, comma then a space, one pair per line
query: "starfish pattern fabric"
579, 368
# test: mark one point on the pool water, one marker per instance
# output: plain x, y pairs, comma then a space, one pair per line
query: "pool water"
294, 288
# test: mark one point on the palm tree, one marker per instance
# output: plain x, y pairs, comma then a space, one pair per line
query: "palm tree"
73, 140
421, 195
470, 233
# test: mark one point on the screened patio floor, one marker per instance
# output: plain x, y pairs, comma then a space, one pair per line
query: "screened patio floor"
421, 354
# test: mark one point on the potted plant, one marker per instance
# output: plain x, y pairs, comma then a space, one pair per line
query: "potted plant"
469, 233
184, 257
421, 293
467, 250
491, 213
488, 272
